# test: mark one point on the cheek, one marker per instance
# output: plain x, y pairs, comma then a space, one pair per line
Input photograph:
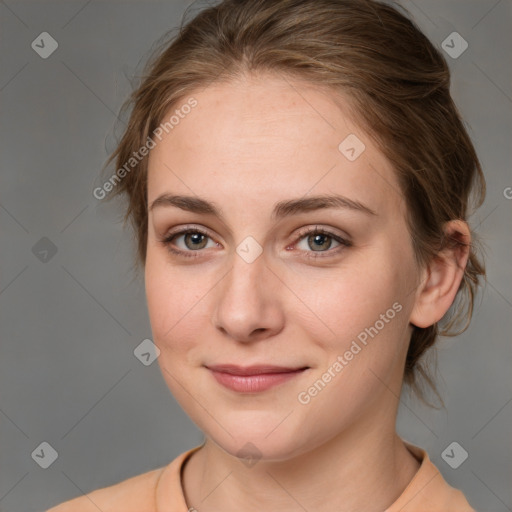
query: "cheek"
363, 334
362, 360
348, 300
174, 304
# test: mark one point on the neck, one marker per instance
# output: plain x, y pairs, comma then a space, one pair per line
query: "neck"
366, 467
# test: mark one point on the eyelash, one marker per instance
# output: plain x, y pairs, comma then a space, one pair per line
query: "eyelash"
166, 241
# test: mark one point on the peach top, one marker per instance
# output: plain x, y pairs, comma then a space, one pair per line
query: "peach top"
160, 490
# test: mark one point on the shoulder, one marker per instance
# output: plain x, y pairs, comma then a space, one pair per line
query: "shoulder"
132, 495
148, 492
437, 496
428, 490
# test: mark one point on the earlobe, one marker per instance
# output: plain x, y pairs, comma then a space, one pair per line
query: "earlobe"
443, 276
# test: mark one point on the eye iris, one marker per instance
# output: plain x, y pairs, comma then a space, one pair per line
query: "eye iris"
319, 241
195, 237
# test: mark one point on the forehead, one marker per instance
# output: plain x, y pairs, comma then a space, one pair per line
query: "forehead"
267, 135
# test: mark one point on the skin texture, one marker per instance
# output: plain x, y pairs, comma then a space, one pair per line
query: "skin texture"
249, 144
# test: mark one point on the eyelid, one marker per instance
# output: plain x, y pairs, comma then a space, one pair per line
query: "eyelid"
302, 233
184, 229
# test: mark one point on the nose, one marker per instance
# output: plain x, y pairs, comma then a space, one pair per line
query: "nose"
248, 302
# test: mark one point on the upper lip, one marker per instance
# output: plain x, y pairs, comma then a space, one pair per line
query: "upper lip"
253, 370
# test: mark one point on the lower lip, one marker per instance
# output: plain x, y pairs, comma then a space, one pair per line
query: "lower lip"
254, 383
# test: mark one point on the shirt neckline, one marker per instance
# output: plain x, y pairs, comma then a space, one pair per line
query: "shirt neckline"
170, 497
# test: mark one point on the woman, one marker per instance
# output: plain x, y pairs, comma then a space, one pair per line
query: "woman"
299, 179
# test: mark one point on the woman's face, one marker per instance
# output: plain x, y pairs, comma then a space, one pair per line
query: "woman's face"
253, 288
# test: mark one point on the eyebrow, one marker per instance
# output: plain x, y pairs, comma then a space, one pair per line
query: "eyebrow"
281, 209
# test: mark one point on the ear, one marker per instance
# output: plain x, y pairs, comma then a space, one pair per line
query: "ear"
442, 276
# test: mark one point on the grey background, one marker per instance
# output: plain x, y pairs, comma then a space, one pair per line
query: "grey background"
68, 375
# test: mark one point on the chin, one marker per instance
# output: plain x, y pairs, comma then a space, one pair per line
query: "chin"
251, 444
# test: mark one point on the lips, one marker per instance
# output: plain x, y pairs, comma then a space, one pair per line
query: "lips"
253, 370
253, 379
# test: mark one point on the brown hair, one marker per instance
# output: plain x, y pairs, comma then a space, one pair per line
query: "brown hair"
397, 80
